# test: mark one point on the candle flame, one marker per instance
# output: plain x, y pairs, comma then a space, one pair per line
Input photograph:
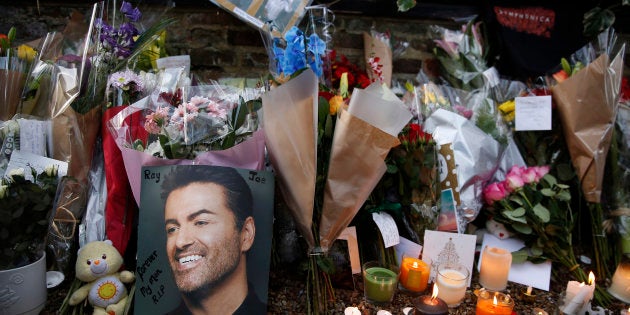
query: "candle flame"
415, 264
435, 291
494, 300
591, 278
529, 290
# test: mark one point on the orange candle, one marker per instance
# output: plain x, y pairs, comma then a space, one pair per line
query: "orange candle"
414, 274
494, 303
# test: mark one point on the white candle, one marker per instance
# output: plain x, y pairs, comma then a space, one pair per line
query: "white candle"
352, 310
495, 267
620, 286
452, 286
573, 305
625, 312
573, 287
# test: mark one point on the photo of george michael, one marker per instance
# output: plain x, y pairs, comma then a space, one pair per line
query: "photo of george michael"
209, 231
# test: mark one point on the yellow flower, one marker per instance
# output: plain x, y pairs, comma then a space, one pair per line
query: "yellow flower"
26, 52
335, 104
429, 98
507, 107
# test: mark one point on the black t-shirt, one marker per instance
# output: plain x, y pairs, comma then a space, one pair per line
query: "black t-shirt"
531, 37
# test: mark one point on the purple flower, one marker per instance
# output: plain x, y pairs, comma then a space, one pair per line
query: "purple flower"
130, 12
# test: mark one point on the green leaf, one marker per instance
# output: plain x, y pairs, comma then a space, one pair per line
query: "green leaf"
542, 212
326, 264
522, 228
566, 66
518, 212
509, 215
536, 251
548, 192
520, 256
596, 20
405, 5
550, 180
11, 35
564, 195
517, 199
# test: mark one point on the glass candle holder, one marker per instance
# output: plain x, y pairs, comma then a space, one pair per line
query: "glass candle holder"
620, 286
379, 282
495, 267
452, 281
493, 303
414, 275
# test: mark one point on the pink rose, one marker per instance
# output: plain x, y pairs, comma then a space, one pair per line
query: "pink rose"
494, 192
541, 171
530, 175
514, 178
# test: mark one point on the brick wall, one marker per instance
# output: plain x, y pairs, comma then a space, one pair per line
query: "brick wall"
220, 45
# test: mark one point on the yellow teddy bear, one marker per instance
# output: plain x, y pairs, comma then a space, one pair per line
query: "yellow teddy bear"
97, 264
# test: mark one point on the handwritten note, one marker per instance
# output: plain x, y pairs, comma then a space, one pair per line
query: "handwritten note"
26, 160
533, 113
34, 135
387, 226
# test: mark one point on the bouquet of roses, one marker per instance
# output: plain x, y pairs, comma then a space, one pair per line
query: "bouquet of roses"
531, 203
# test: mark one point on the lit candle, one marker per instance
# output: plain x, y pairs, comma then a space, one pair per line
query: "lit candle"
379, 283
495, 267
539, 311
430, 304
452, 281
573, 305
414, 274
528, 295
494, 303
625, 312
620, 286
352, 310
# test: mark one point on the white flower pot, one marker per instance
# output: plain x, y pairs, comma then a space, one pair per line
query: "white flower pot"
23, 289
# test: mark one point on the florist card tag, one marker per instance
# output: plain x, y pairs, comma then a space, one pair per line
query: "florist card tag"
387, 226
24, 160
440, 247
533, 113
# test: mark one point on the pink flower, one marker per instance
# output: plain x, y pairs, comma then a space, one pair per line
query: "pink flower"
530, 175
153, 122
494, 192
514, 178
541, 171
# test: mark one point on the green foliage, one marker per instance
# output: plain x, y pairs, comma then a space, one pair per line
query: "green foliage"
405, 5
25, 211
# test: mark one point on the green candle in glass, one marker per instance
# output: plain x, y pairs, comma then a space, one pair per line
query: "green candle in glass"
379, 282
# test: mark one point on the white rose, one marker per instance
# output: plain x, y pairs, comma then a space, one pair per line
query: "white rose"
51, 170
3, 191
16, 172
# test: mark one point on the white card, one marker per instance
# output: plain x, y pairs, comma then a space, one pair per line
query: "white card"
446, 246
34, 135
26, 160
388, 228
533, 113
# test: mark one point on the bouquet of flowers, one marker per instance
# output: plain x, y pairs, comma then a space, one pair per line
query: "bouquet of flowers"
26, 207
531, 203
14, 65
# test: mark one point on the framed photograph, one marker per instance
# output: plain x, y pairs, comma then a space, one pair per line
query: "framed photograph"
174, 235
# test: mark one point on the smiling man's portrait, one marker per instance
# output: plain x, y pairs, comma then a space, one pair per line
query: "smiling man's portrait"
210, 228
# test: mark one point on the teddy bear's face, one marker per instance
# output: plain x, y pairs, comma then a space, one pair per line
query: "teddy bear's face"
497, 229
96, 260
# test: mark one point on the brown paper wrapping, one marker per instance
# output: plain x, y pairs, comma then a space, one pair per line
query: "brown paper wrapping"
11, 84
587, 103
356, 165
373, 47
74, 137
289, 121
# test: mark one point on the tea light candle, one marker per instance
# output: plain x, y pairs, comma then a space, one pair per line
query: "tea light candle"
494, 303
528, 296
495, 267
414, 274
430, 304
539, 311
625, 312
620, 286
380, 284
352, 310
